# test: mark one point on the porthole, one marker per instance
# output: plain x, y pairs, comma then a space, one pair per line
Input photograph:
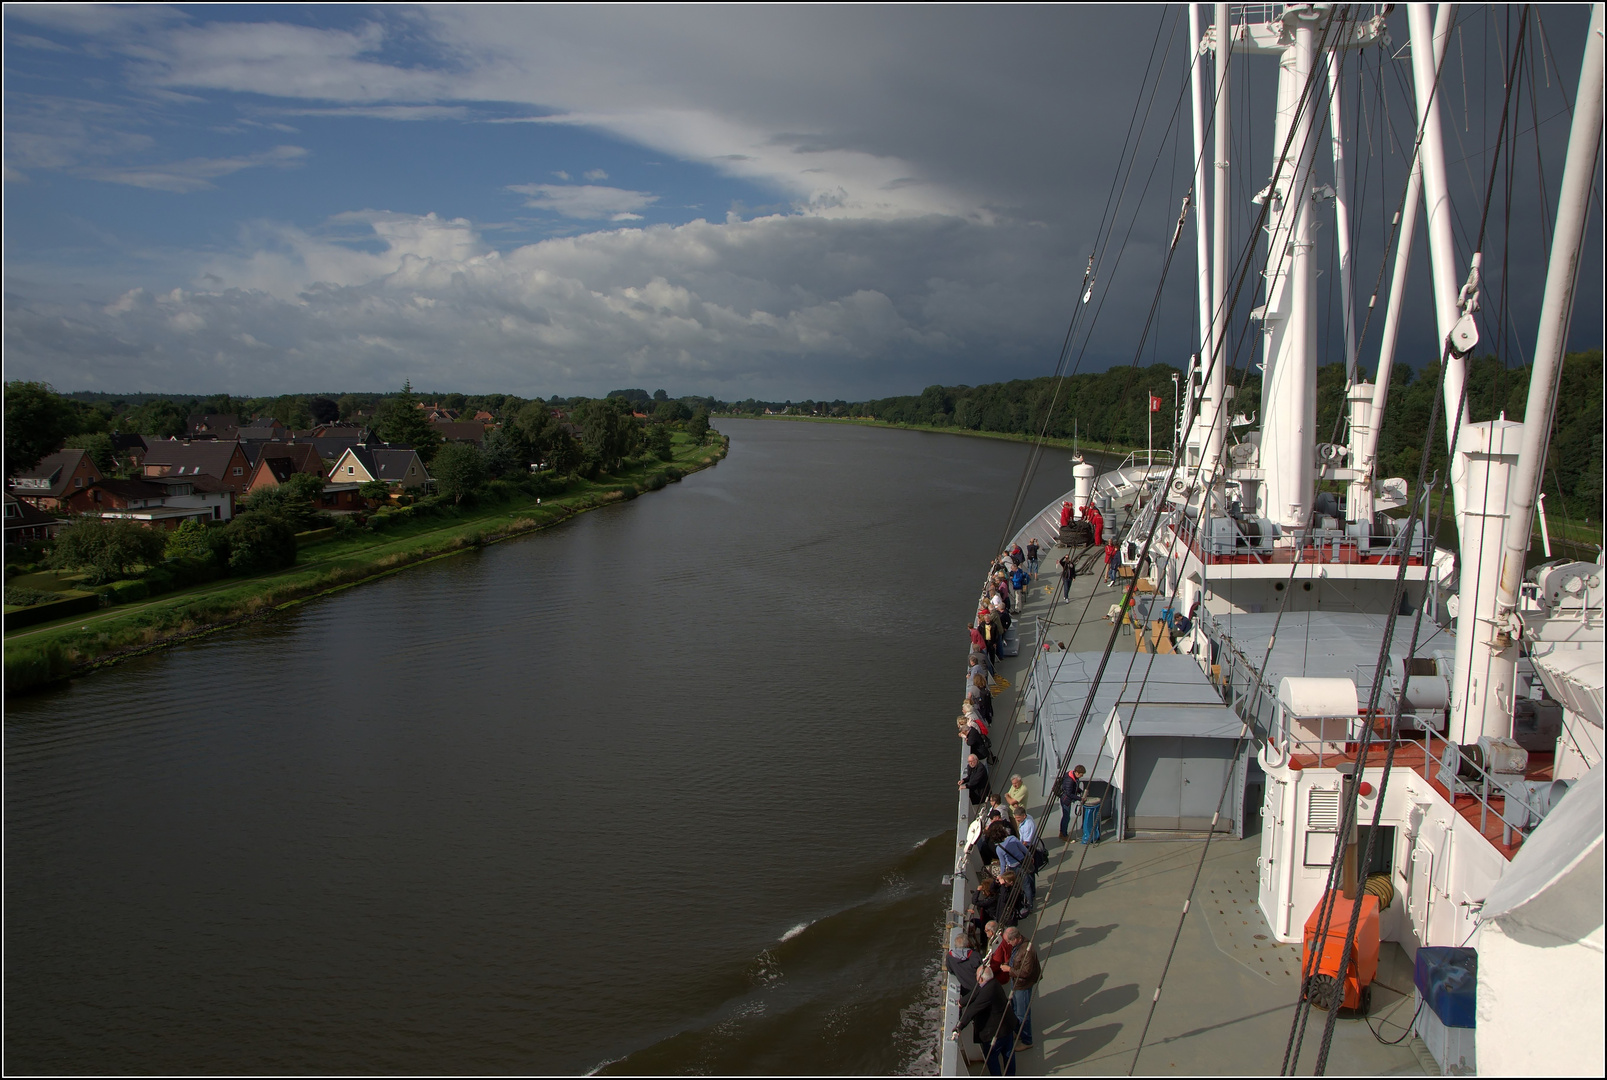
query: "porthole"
1278, 585
1306, 586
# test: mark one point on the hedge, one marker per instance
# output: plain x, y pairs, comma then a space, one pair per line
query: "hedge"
78, 604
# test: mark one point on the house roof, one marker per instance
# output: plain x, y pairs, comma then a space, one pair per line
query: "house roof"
213, 421
263, 434
387, 463
211, 457
52, 475
131, 441
460, 430
25, 515
281, 469
303, 456
130, 489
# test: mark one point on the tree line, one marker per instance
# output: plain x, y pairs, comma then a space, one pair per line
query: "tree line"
1111, 408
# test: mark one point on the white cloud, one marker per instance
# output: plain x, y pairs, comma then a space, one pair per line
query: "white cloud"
797, 306
595, 174
196, 174
586, 202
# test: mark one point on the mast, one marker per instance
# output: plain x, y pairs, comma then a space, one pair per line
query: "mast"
1216, 360
1366, 463
1202, 229
1347, 296
1289, 386
1556, 311
1428, 44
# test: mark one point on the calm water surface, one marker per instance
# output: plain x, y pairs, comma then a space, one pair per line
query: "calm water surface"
660, 788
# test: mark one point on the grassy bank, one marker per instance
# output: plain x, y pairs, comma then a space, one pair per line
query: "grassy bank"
47, 653
1002, 436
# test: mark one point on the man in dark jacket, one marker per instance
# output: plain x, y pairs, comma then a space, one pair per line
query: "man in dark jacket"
993, 1023
1071, 787
975, 779
1024, 972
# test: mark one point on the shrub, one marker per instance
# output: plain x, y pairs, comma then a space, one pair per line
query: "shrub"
105, 549
259, 543
17, 596
126, 592
199, 542
291, 501
375, 491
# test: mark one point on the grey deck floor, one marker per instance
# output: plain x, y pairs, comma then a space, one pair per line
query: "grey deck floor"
1106, 918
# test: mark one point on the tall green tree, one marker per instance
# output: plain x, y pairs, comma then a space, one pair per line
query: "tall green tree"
459, 471
157, 419
402, 421
698, 426
37, 420
106, 549
259, 543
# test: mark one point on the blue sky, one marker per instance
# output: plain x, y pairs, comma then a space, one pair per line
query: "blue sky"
775, 202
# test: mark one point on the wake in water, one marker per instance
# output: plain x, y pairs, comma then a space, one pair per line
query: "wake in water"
855, 991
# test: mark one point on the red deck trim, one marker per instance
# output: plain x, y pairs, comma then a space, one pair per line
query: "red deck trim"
1411, 756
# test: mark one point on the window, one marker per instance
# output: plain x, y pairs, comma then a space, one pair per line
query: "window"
351, 470
78, 481
238, 470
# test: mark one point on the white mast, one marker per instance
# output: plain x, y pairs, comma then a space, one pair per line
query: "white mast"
1214, 409
1426, 47
1347, 296
1366, 463
1289, 391
1562, 278
1202, 234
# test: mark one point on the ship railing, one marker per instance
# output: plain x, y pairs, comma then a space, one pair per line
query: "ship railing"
1256, 701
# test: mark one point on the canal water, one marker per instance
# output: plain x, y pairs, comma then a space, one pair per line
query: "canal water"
658, 790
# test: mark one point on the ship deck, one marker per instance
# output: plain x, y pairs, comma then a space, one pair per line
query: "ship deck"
1107, 914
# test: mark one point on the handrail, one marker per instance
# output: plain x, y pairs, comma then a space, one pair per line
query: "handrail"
1277, 733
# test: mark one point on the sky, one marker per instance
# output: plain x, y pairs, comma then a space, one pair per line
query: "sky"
771, 202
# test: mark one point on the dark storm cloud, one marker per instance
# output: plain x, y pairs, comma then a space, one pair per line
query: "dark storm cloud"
947, 169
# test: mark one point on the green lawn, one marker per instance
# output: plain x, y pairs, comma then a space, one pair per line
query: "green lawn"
50, 651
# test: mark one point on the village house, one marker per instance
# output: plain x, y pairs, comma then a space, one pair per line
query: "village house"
460, 431
24, 522
483, 417
277, 462
165, 504
47, 485
434, 412
224, 461
398, 468
213, 425
129, 449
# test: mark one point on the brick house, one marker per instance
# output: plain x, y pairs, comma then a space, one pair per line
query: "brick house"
47, 485
161, 504
223, 461
277, 462
398, 468
24, 522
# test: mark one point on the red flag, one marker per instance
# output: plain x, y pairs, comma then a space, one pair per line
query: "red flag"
1154, 403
